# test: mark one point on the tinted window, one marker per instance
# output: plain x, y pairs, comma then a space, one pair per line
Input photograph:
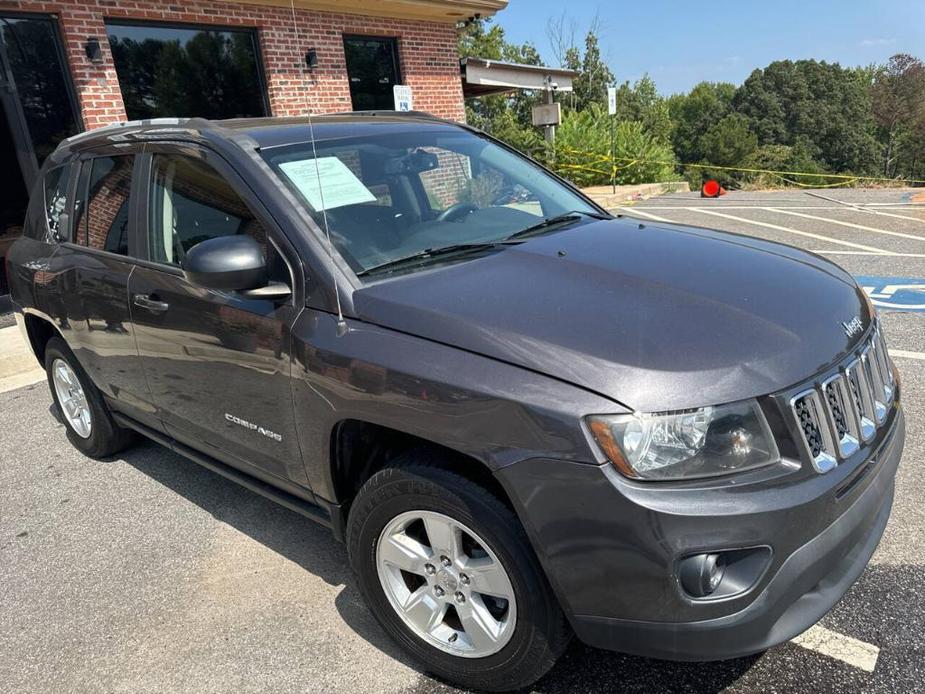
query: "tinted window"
372, 68
55, 198
190, 202
103, 217
35, 61
180, 71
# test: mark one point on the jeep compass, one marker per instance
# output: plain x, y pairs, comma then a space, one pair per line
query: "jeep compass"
526, 418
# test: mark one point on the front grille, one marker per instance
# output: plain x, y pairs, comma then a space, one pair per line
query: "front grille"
846, 409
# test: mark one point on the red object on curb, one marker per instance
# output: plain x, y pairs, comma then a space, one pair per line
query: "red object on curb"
711, 189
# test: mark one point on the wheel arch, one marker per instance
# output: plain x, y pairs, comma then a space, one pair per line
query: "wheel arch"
359, 449
40, 330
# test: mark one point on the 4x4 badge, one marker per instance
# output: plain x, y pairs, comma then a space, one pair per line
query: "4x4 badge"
853, 327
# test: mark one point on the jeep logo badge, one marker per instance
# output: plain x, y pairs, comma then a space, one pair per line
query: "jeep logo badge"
853, 327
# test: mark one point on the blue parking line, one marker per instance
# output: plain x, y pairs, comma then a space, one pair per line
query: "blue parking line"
894, 293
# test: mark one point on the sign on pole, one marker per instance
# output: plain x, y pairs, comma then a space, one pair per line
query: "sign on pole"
403, 98
547, 114
612, 100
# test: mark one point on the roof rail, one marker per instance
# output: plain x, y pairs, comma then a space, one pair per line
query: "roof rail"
195, 123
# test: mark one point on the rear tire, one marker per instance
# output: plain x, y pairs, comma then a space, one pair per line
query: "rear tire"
86, 417
412, 495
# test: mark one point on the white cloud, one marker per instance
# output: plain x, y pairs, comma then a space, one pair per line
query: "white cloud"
877, 42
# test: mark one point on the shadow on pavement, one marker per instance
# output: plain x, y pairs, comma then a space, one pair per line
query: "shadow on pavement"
581, 669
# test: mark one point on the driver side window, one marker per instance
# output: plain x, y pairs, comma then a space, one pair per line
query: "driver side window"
189, 203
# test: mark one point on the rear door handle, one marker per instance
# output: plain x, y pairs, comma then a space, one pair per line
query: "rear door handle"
153, 305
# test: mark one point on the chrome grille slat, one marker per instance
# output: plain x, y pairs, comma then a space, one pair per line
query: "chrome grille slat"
874, 384
841, 417
863, 408
817, 436
835, 417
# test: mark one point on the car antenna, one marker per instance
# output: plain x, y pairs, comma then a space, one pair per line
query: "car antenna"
341, 323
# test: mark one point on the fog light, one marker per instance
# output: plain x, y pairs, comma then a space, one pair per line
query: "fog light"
701, 574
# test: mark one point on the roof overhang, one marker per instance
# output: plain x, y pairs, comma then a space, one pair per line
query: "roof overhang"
482, 77
448, 11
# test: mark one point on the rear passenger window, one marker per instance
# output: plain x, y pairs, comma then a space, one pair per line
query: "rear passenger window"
55, 199
190, 203
103, 212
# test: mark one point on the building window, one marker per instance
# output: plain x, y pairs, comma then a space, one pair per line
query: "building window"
32, 52
187, 71
372, 68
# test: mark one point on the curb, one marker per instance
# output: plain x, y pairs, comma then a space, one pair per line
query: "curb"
607, 198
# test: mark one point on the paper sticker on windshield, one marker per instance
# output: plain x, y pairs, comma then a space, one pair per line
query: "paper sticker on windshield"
339, 185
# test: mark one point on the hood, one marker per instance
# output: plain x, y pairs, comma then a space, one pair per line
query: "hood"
656, 318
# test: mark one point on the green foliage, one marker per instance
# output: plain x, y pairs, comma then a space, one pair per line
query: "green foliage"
824, 104
505, 116
693, 115
583, 150
590, 87
897, 92
801, 116
726, 143
642, 102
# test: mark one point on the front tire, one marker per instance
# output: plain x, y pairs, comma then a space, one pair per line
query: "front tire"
448, 571
86, 417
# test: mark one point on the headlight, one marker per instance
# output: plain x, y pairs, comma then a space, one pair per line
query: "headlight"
692, 443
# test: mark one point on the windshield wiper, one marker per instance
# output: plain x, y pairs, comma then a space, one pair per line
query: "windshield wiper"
550, 222
427, 253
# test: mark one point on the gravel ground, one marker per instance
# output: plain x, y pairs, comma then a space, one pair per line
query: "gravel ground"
147, 573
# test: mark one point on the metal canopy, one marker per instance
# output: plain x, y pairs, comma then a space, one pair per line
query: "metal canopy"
481, 77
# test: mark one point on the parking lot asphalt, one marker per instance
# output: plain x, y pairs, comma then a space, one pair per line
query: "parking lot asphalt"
147, 573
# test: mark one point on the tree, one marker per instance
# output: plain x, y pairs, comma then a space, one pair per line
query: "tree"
590, 87
641, 102
692, 115
506, 116
729, 142
819, 103
898, 106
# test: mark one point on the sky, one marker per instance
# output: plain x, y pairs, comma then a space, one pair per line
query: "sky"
682, 43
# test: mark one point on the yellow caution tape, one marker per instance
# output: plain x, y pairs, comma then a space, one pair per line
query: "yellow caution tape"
845, 179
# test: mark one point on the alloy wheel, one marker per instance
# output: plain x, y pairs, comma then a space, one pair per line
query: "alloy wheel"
446, 584
71, 398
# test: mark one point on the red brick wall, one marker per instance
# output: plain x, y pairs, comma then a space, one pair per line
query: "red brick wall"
427, 51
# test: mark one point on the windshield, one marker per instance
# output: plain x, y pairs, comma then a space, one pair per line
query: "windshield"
395, 195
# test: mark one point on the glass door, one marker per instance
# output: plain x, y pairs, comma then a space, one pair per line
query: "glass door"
37, 111
372, 68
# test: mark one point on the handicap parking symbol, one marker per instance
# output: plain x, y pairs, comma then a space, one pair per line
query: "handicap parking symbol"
894, 293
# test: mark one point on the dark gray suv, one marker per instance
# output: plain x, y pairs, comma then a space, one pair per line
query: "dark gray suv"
526, 418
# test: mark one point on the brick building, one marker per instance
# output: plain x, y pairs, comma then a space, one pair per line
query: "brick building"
78, 64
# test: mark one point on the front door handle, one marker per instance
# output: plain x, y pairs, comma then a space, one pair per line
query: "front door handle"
153, 305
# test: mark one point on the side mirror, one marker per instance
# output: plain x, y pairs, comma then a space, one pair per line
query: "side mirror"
232, 263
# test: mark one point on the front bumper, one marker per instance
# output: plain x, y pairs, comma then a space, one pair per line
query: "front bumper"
611, 549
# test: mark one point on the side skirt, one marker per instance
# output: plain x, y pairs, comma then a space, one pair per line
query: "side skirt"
328, 514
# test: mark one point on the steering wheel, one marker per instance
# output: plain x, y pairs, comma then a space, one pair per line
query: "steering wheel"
457, 211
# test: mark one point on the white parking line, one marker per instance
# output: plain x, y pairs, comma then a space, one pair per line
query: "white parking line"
777, 227
862, 227
905, 354
861, 207
891, 255
631, 211
844, 648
